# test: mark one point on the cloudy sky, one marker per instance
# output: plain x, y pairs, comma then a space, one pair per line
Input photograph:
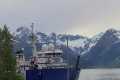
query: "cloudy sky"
85, 17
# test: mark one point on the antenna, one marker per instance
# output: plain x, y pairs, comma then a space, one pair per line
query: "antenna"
67, 41
32, 27
68, 71
33, 40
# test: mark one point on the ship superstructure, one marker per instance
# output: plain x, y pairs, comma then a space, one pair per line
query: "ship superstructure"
20, 61
47, 57
51, 58
46, 64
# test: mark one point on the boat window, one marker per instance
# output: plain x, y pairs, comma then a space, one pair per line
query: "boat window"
39, 54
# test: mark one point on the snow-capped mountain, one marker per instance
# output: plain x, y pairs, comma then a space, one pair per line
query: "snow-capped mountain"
76, 43
22, 34
106, 51
102, 49
92, 42
95, 39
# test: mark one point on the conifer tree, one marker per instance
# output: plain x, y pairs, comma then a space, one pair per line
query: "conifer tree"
0, 54
7, 60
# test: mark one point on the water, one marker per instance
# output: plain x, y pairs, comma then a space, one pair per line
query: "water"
100, 74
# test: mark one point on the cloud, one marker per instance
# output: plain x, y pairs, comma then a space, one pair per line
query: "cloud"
86, 17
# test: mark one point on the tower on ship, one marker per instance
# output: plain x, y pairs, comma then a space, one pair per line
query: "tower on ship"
48, 57
33, 37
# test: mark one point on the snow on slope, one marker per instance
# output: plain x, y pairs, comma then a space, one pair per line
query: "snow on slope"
95, 39
75, 43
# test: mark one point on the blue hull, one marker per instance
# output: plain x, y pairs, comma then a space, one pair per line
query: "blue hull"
51, 74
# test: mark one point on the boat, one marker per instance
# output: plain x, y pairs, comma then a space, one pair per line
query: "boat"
46, 64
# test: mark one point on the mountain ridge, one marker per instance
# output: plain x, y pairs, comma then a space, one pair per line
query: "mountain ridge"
94, 51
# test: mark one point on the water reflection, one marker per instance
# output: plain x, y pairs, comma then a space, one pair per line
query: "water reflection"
100, 74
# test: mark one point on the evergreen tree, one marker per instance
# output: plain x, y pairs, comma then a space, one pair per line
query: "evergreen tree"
0, 39
7, 60
1, 62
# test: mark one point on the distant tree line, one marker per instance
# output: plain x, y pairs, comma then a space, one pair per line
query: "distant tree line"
7, 60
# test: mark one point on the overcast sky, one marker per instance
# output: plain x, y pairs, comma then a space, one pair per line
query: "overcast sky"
85, 17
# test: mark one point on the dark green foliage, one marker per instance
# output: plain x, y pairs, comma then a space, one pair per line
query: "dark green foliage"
7, 60
19, 77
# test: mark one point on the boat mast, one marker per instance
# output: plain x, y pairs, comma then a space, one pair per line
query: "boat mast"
67, 42
33, 41
68, 71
